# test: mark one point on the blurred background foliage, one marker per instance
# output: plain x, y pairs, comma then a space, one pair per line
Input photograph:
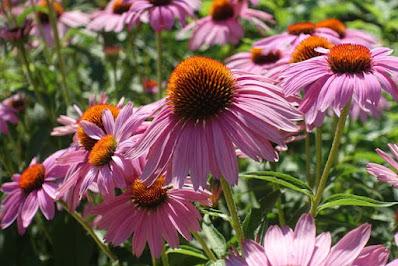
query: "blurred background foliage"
90, 71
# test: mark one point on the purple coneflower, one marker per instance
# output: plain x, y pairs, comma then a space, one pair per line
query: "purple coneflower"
161, 14
9, 109
208, 111
346, 72
17, 33
223, 24
71, 123
260, 60
295, 33
151, 214
283, 246
104, 133
348, 35
65, 20
385, 174
112, 18
33, 189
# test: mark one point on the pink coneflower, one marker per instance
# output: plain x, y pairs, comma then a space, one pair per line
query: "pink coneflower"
8, 114
304, 50
208, 111
151, 215
223, 24
347, 71
65, 20
283, 246
104, 133
33, 189
348, 35
112, 18
71, 123
18, 33
295, 33
161, 14
259, 60
385, 174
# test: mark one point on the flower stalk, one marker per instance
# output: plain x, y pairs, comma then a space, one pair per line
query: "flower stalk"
92, 234
318, 154
159, 62
232, 210
205, 248
61, 62
308, 159
331, 158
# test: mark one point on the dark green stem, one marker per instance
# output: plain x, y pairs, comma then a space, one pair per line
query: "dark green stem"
331, 158
235, 222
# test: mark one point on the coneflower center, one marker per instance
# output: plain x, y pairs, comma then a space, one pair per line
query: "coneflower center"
43, 17
120, 6
94, 115
333, 24
160, 2
260, 58
103, 150
149, 197
222, 10
350, 58
32, 178
200, 88
306, 49
301, 28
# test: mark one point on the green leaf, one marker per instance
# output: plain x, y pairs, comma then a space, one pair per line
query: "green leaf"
188, 251
255, 216
353, 200
215, 239
281, 179
216, 263
214, 213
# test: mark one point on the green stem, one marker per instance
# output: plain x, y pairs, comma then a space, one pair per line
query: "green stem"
61, 62
331, 158
159, 62
165, 259
232, 209
281, 214
318, 154
91, 232
32, 80
205, 248
308, 158
154, 262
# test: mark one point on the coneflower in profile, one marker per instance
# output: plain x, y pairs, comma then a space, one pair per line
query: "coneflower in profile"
386, 174
151, 214
348, 35
345, 72
259, 60
296, 32
34, 188
112, 18
210, 110
223, 24
161, 14
9, 109
65, 20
